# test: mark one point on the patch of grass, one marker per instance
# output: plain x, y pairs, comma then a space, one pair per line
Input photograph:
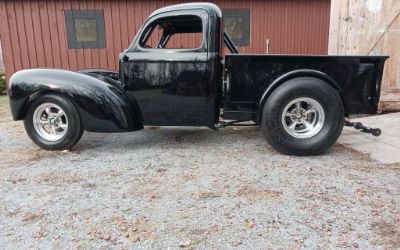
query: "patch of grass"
4, 108
2, 82
3, 99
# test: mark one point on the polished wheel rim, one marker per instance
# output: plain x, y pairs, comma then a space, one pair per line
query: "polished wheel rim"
303, 117
50, 121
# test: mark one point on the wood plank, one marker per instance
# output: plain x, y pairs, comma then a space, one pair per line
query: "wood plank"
365, 21
389, 106
54, 34
325, 24
387, 45
102, 57
23, 43
334, 27
72, 54
47, 42
137, 7
30, 36
109, 34
95, 52
343, 30
381, 27
5, 38
87, 53
352, 28
116, 32
270, 30
132, 26
60, 19
150, 7
80, 56
123, 15
289, 28
37, 31
12, 26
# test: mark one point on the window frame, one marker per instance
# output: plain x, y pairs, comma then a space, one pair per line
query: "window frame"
244, 13
198, 13
73, 43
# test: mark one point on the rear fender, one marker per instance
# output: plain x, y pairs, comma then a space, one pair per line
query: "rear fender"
295, 74
103, 105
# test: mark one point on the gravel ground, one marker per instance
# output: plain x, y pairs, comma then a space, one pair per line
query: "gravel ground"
191, 188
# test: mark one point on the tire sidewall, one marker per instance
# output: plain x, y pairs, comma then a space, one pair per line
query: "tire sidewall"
316, 89
74, 130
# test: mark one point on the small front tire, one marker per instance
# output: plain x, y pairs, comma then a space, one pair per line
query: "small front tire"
53, 123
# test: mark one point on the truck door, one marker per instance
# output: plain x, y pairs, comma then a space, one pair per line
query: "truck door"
167, 67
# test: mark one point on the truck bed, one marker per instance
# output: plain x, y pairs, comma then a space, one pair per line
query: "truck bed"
247, 78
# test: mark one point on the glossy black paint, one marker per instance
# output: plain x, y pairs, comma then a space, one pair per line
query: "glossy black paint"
184, 87
114, 75
252, 78
102, 104
176, 87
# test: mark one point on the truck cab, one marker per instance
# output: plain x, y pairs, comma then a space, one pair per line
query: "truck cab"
173, 67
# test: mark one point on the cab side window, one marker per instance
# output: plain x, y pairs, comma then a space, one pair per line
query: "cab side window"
179, 32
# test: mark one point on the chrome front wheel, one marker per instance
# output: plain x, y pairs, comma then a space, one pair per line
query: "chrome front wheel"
53, 122
50, 121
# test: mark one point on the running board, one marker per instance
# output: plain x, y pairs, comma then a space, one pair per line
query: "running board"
223, 124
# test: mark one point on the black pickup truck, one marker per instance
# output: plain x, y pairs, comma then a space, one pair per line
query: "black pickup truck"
299, 101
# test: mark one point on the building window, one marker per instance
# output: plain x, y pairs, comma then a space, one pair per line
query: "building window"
237, 25
85, 29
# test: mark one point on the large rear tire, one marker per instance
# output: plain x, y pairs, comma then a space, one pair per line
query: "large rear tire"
303, 116
53, 123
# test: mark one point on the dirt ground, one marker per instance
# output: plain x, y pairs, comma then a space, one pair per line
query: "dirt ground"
191, 188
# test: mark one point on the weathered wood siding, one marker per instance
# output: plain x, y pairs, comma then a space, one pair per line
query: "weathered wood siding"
33, 32
1, 60
372, 27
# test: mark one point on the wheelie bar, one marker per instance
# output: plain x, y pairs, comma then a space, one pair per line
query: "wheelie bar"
359, 126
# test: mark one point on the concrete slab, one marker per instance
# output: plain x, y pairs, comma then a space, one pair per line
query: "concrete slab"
385, 148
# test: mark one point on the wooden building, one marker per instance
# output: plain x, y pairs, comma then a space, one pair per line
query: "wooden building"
370, 27
1, 60
74, 34
77, 34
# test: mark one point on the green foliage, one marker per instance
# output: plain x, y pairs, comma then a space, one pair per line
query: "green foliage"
2, 83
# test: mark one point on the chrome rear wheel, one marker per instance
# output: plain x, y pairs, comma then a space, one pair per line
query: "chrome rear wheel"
303, 117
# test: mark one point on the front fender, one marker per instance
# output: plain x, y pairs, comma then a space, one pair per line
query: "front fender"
102, 106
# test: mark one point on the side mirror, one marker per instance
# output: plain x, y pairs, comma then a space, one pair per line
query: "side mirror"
125, 58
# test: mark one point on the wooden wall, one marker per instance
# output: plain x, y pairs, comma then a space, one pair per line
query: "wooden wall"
33, 31
370, 27
1, 59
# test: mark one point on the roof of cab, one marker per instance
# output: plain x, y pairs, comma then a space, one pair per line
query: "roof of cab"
209, 7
